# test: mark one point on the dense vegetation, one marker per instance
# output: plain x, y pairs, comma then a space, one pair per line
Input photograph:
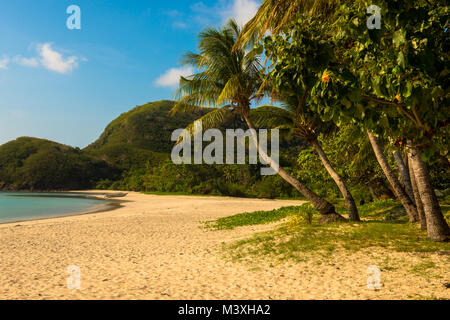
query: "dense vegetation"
138, 143
124, 158
36, 164
146, 127
384, 87
133, 154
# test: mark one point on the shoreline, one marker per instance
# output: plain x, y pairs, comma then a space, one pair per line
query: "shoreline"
109, 205
114, 204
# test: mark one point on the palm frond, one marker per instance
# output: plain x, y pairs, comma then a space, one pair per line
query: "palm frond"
224, 76
273, 15
231, 89
271, 117
210, 120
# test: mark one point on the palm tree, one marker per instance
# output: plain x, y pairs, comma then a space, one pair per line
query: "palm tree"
437, 227
301, 122
403, 173
229, 81
400, 193
273, 15
416, 194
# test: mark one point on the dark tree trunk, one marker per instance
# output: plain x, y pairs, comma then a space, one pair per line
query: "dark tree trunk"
400, 193
418, 201
323, 206
437, 227
349, 201
404, 175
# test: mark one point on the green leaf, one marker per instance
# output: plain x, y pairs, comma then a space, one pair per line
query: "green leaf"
258, 49
401, 60
408, 90
399, 37
376, 85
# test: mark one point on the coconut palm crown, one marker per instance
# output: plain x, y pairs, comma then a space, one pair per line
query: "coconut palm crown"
228, 81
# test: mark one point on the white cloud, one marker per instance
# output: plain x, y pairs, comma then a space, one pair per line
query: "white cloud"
244, 10
172, 76
4, 62
47, 57
54, 61
241, 10
27, 62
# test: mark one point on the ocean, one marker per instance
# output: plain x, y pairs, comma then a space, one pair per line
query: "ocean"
23, 206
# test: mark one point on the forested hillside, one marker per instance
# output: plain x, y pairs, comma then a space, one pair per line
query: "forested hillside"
36, 164
133, 153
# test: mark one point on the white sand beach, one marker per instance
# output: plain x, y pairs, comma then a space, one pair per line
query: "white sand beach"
155, 247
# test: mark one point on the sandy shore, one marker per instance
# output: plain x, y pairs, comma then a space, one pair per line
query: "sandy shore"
154, 247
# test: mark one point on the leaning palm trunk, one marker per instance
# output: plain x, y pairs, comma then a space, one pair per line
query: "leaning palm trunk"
437, 227
418, 201
405, 179
349, 201
400, 193
324, 207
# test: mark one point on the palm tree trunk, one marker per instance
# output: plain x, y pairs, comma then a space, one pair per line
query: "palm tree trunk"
437, 227
405, 179
418, 201
327, 210
400, 193
349, 201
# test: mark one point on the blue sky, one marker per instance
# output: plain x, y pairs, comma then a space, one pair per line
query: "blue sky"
67, 85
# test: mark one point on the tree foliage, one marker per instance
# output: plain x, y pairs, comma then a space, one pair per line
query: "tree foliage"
392, 81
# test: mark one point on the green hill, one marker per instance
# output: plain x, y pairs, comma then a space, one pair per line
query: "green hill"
133, 153
37, 164
135, 140
140, 136
146, 127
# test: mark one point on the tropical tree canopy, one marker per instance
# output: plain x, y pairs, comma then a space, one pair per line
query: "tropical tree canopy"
231, 80
393, 80
226, 79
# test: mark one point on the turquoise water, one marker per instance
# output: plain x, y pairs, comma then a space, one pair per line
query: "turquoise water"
31, 206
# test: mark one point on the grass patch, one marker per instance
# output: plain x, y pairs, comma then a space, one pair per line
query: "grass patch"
386, 210
252, 218
290, 241
385, 225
